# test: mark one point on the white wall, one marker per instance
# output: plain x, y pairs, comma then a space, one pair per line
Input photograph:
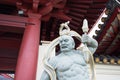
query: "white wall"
42, 50
107, 72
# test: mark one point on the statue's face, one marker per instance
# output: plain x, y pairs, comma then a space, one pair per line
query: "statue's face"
66, 43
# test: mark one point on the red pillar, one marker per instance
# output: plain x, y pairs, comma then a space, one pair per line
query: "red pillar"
28, 55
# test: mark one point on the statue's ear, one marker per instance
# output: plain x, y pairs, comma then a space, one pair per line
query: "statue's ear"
73, 45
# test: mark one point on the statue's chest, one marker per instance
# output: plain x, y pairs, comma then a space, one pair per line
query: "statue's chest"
65, 62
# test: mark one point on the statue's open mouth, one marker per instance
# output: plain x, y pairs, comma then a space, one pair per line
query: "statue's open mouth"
64, 46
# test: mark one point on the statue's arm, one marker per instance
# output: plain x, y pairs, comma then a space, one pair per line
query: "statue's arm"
45, 75
91, 43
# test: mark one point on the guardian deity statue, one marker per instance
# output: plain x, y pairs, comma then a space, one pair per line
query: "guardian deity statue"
71, 63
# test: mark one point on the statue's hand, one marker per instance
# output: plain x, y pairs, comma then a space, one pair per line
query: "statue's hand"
85, 39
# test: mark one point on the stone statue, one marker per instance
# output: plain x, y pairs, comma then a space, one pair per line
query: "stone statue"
70, 64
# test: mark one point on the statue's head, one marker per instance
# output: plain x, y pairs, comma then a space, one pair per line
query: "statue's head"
66, 43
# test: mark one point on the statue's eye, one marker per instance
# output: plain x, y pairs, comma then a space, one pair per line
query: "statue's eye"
66, 40
61, 41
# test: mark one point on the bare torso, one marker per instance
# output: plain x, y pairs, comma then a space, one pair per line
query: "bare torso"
71, 67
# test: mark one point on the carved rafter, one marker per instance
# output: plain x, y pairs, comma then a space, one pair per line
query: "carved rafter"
35, 5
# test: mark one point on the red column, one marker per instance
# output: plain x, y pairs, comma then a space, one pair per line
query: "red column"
28, 55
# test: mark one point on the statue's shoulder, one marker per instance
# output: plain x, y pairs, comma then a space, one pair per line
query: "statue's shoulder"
55, 58
53, 61
79, 52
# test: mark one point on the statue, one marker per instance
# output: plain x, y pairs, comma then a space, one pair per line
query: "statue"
71, 63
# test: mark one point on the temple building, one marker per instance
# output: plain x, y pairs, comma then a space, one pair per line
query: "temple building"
25, 25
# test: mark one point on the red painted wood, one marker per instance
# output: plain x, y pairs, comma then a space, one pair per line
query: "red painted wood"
9, 43
56, 1
13, 24
27, 59
75, 23
78, 10
98, 6
77, 5
35, 5
100, 1
43, 2
72, 26
7, 63
13, 2
46, 18
76, 14
11, 29
91, 16
81, 1
94, 11
46, 9
10, 23
75, 18
61, 15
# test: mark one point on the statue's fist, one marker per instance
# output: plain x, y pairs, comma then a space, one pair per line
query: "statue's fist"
85, 38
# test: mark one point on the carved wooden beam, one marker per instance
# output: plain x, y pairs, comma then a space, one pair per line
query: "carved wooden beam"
54, 2
100, 1
75, 23
108, 24
13, 18
46, 9
12, 24
94, 11
77, 5
113, 33
91, 16
114, 45
35, 5
46, 17
60, 15
98, 6
8, 67
12, 29
97, 59
14, 21
107, 59
81, 1
11, 2
61, 4
78, 10
76, 14
72, 26
75, 18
